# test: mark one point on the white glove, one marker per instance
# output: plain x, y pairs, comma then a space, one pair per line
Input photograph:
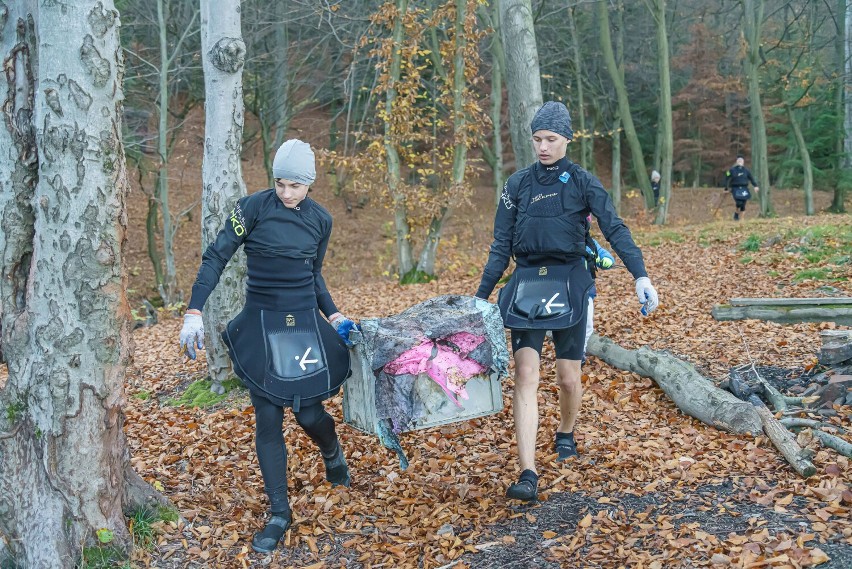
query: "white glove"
647, 295
192, 334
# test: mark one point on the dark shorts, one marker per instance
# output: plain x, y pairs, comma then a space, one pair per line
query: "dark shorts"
568, 342
740, 204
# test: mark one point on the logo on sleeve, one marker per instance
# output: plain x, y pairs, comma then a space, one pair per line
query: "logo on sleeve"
238, 222
507, 201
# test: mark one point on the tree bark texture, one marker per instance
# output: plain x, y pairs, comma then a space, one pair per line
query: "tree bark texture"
841, 314
65, 317
752, 28
807, 170
616, 75
580, 112
843, 103
693, 394
405, 258
223, 57
523, 77
665, 121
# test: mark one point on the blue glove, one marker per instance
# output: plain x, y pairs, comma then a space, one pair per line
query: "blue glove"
343, 326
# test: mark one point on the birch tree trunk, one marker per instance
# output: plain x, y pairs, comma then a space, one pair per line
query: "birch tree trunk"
223, 57
169, 285
807, 170
498, 63
65, 317
405, 258
752, 26
616, 74
665, 121
523, 77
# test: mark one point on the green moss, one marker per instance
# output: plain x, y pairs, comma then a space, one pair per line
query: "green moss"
752, 243
198, 394
416, 277
103, 557
142, 395
812, 274
746, 260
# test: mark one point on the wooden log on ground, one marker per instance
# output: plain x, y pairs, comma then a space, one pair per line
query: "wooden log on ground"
836, 346
839, 312
784, 440
693, 393
833, 442
813, 301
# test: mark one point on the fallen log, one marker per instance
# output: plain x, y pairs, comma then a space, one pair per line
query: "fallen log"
783, 439
786, 313
693, 394
800, 422
836, 346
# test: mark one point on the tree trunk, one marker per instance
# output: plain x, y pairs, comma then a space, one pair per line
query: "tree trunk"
752, 26
665, 121
65, 317
615, 187
580, 112
616, 74
693, 394
223, 57
279, 95
498, 71
523, 77
168, 287
806, 160
844, 105
405, 259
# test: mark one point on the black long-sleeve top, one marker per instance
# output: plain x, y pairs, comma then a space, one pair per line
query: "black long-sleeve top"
284, 250
540, 216
738, 176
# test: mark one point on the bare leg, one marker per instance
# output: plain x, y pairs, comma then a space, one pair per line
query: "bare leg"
570, 393
525, 405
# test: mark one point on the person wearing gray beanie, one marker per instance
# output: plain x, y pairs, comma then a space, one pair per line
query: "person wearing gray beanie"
285, 353
541, 223
295, 161
553, 116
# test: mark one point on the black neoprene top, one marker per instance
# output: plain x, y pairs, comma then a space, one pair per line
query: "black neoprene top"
284, 253
542, 215
738, 176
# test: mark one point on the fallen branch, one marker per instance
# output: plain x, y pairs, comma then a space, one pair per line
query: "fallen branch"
693, 393
788, 314
799, 422
833, 442
783, 439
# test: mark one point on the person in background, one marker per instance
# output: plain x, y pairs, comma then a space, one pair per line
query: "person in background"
736, 182
541, 222
655, 186
283, 351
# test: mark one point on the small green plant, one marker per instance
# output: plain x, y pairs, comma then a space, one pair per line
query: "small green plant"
773, 274
198, 394
812, 274
142, 395
14, 411
746, 260
103, 557
752, 243
416, 277
142, 524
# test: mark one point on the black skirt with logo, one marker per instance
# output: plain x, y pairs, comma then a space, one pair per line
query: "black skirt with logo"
294, 359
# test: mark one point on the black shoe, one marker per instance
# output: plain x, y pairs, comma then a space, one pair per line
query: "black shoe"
565, 446
526, 488
267, 540
736, 217
336, 469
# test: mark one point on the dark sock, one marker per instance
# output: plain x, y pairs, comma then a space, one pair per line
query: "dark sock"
530, 476
564, 436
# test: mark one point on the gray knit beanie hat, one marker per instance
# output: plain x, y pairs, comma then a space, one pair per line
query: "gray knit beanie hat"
553, 116
294, 161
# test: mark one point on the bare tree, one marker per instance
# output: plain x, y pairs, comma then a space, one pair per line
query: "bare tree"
223, 54
658, 10
523, 77
64, 309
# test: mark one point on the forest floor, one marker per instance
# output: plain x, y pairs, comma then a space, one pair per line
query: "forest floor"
651, 488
